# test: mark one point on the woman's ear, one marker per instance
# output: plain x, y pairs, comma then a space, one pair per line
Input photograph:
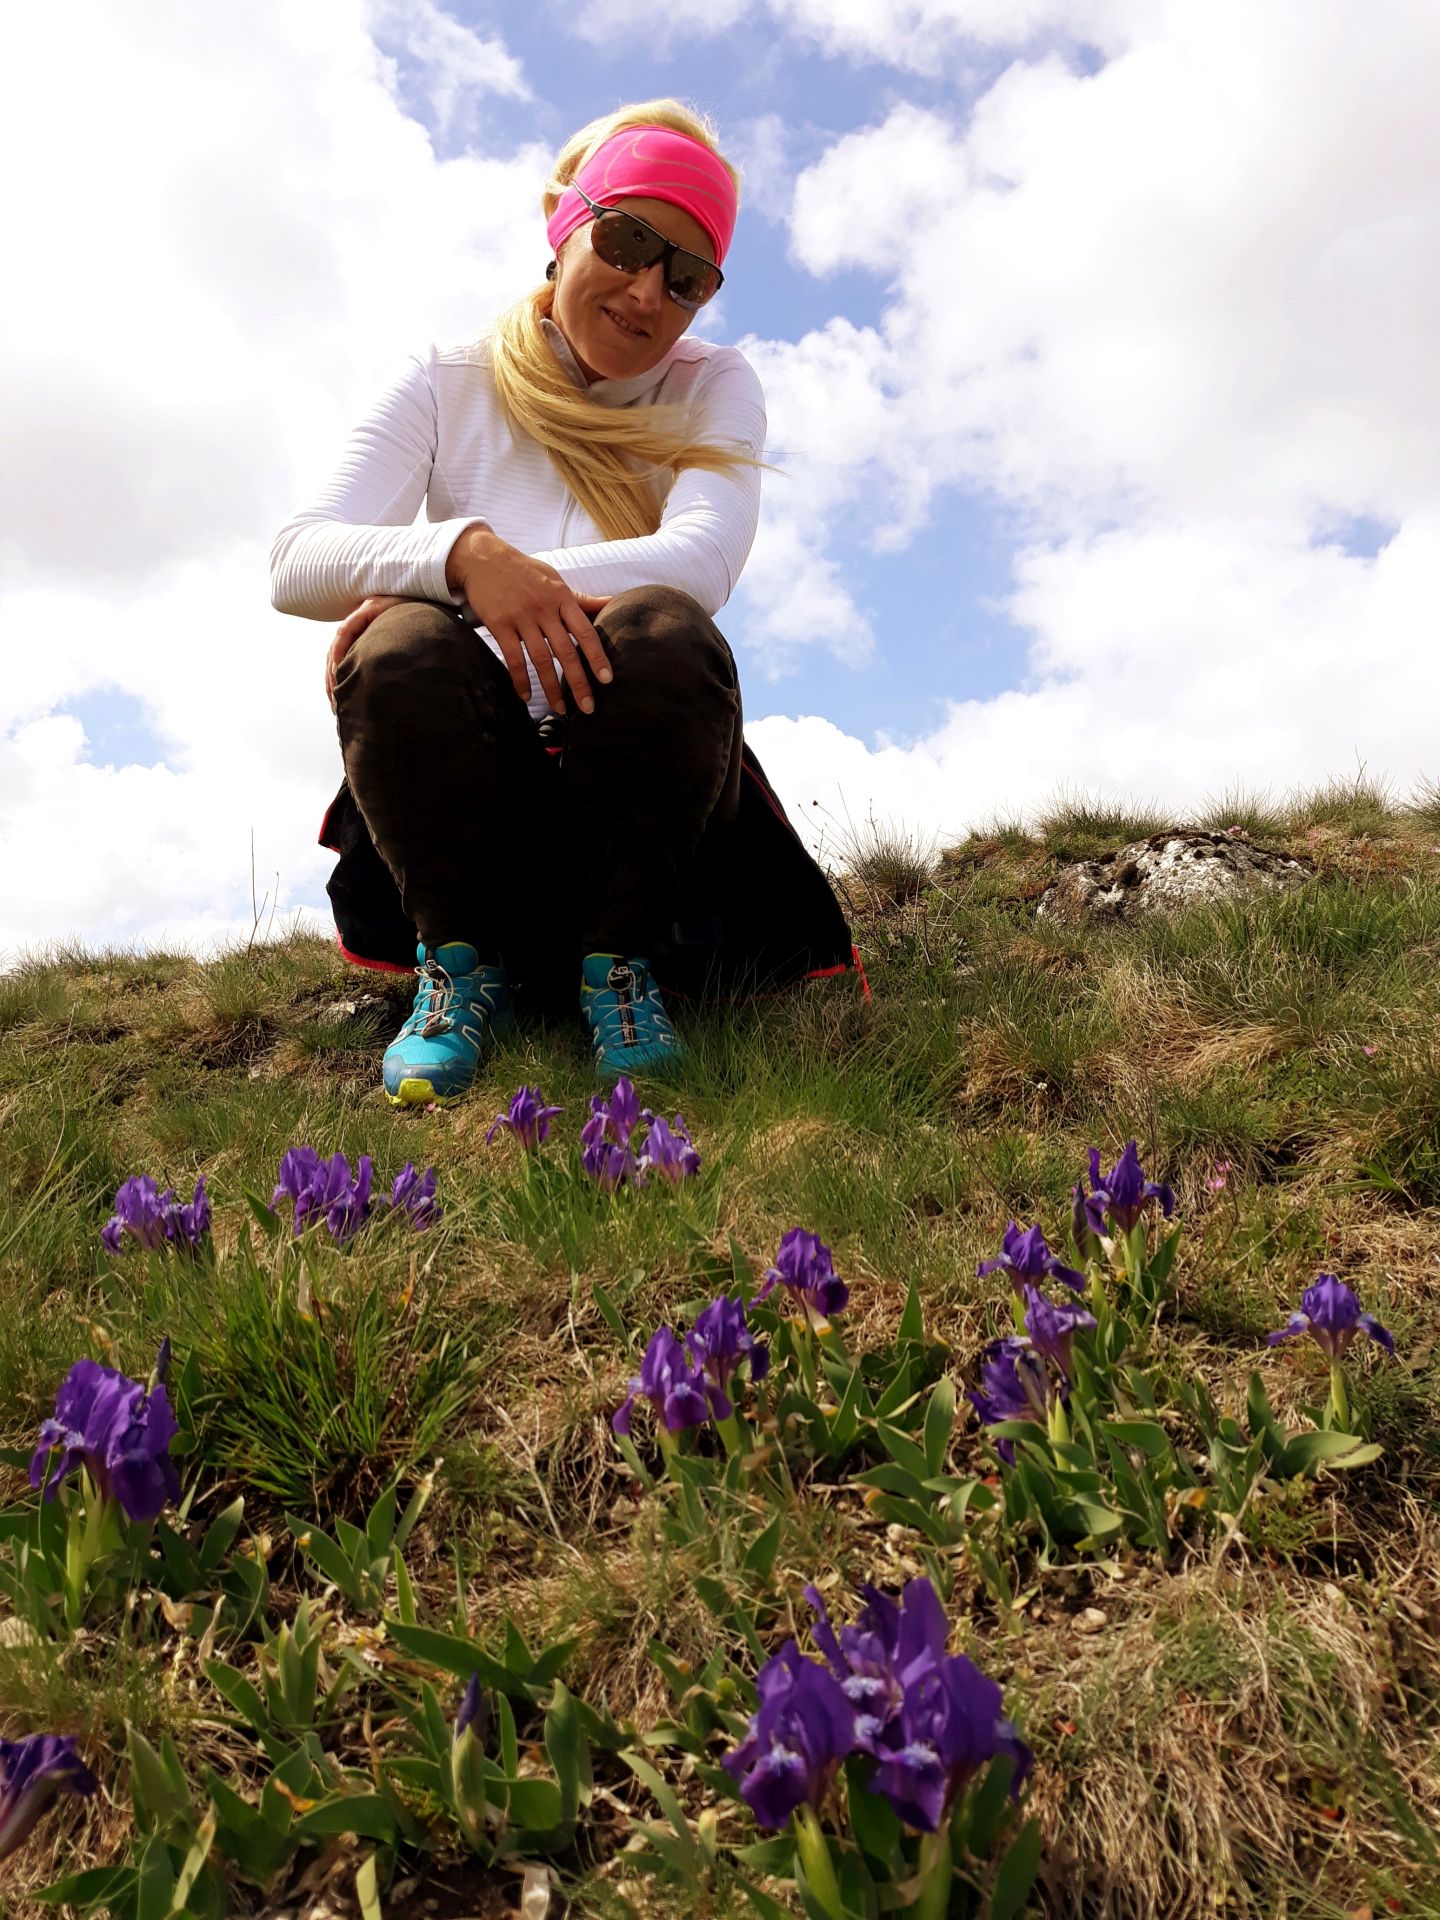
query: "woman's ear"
551, 270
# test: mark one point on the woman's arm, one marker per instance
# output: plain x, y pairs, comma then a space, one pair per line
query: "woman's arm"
708, 524
358, 538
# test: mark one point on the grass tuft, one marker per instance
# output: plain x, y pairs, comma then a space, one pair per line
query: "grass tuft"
1081, 826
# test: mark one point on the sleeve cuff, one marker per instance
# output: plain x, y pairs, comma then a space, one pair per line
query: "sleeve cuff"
447, 532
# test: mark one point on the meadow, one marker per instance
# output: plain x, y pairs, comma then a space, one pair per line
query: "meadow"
1206, 1579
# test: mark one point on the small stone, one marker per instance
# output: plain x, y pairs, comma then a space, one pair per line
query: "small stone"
339, 1011
1091, 1620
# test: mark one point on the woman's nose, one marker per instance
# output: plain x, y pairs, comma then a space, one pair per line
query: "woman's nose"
647, 288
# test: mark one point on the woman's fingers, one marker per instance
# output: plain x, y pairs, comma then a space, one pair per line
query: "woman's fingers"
569, 662
339, 647
513, 653
537, 645
572, 612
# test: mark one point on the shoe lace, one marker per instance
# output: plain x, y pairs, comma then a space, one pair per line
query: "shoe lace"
439, 998
616, 1018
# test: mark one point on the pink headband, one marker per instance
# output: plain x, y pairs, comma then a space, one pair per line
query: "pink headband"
652, 163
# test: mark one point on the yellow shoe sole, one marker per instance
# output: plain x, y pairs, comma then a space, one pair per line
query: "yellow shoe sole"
420, 1093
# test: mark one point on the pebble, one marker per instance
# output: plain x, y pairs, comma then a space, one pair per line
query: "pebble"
341, 1010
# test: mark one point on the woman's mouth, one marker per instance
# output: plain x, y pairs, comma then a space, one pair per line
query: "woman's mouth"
630, 332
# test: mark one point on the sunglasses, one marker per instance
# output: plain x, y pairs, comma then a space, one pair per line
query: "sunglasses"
627, 243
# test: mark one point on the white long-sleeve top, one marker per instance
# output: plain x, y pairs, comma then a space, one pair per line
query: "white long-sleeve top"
439, 437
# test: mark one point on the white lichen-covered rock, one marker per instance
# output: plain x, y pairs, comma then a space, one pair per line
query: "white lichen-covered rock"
339, 1011
1183, 868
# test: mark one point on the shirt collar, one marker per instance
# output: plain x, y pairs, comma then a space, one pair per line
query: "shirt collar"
610, 393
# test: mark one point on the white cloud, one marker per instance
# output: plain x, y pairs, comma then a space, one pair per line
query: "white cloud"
1278, 664
921, 36
460, 66
1206, 276
231, 249
761, 148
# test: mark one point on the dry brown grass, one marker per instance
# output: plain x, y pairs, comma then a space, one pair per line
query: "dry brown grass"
1232, 1735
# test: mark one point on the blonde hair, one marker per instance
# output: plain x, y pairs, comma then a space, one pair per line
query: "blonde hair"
619, 462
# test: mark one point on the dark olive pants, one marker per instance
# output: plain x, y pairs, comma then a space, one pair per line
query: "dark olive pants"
536, 858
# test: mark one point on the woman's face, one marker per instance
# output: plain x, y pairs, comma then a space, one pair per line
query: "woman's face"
623, 323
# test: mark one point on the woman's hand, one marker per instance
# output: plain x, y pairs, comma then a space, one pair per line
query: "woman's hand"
349, 631
530, 610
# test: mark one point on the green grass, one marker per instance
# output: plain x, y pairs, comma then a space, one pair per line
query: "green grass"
1249, 1732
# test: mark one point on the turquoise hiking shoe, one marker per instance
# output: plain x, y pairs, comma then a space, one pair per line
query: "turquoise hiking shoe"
459, 1008
629, 1027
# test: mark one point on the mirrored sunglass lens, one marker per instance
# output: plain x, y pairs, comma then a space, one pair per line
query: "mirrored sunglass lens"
691, 278
620, 243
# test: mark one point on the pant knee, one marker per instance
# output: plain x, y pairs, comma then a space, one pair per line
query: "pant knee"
415, 637
671, 631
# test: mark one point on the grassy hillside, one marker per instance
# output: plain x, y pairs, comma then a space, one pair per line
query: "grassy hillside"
1240, 1718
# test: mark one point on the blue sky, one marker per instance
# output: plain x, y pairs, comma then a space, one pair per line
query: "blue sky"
1099, 336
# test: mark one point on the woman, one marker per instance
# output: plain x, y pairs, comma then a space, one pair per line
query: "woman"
568, 788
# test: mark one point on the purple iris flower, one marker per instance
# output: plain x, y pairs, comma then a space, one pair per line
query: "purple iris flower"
610, 1165
192, 1223
619, 1115
668, 1150
1052, 1328
1087, 1220
805, 1267
119, 1432
472, 1710
929, 1718
527, 1117
1014, 1385
888, 1647
667, 1380
416, 1194
32, 1772
606, 1154
139, 1212
327, 1188
145, 1214
299, 1168
803, 1729
1124, 1191
1331, 1314
717, 1343
1027, 1257
950, 1724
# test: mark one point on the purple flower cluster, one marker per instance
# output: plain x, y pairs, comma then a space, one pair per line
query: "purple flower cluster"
608, 1149
717, 1343
1026, 1258
152, 1218
1330, 1314
666, 1379
121, 1435
1116, 1199
1023, 1375
605, 1150
32, 1772
527, 1117
414, 1193
805, 1267
669, 1153
687, 1382
328, 1190
927, 1719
